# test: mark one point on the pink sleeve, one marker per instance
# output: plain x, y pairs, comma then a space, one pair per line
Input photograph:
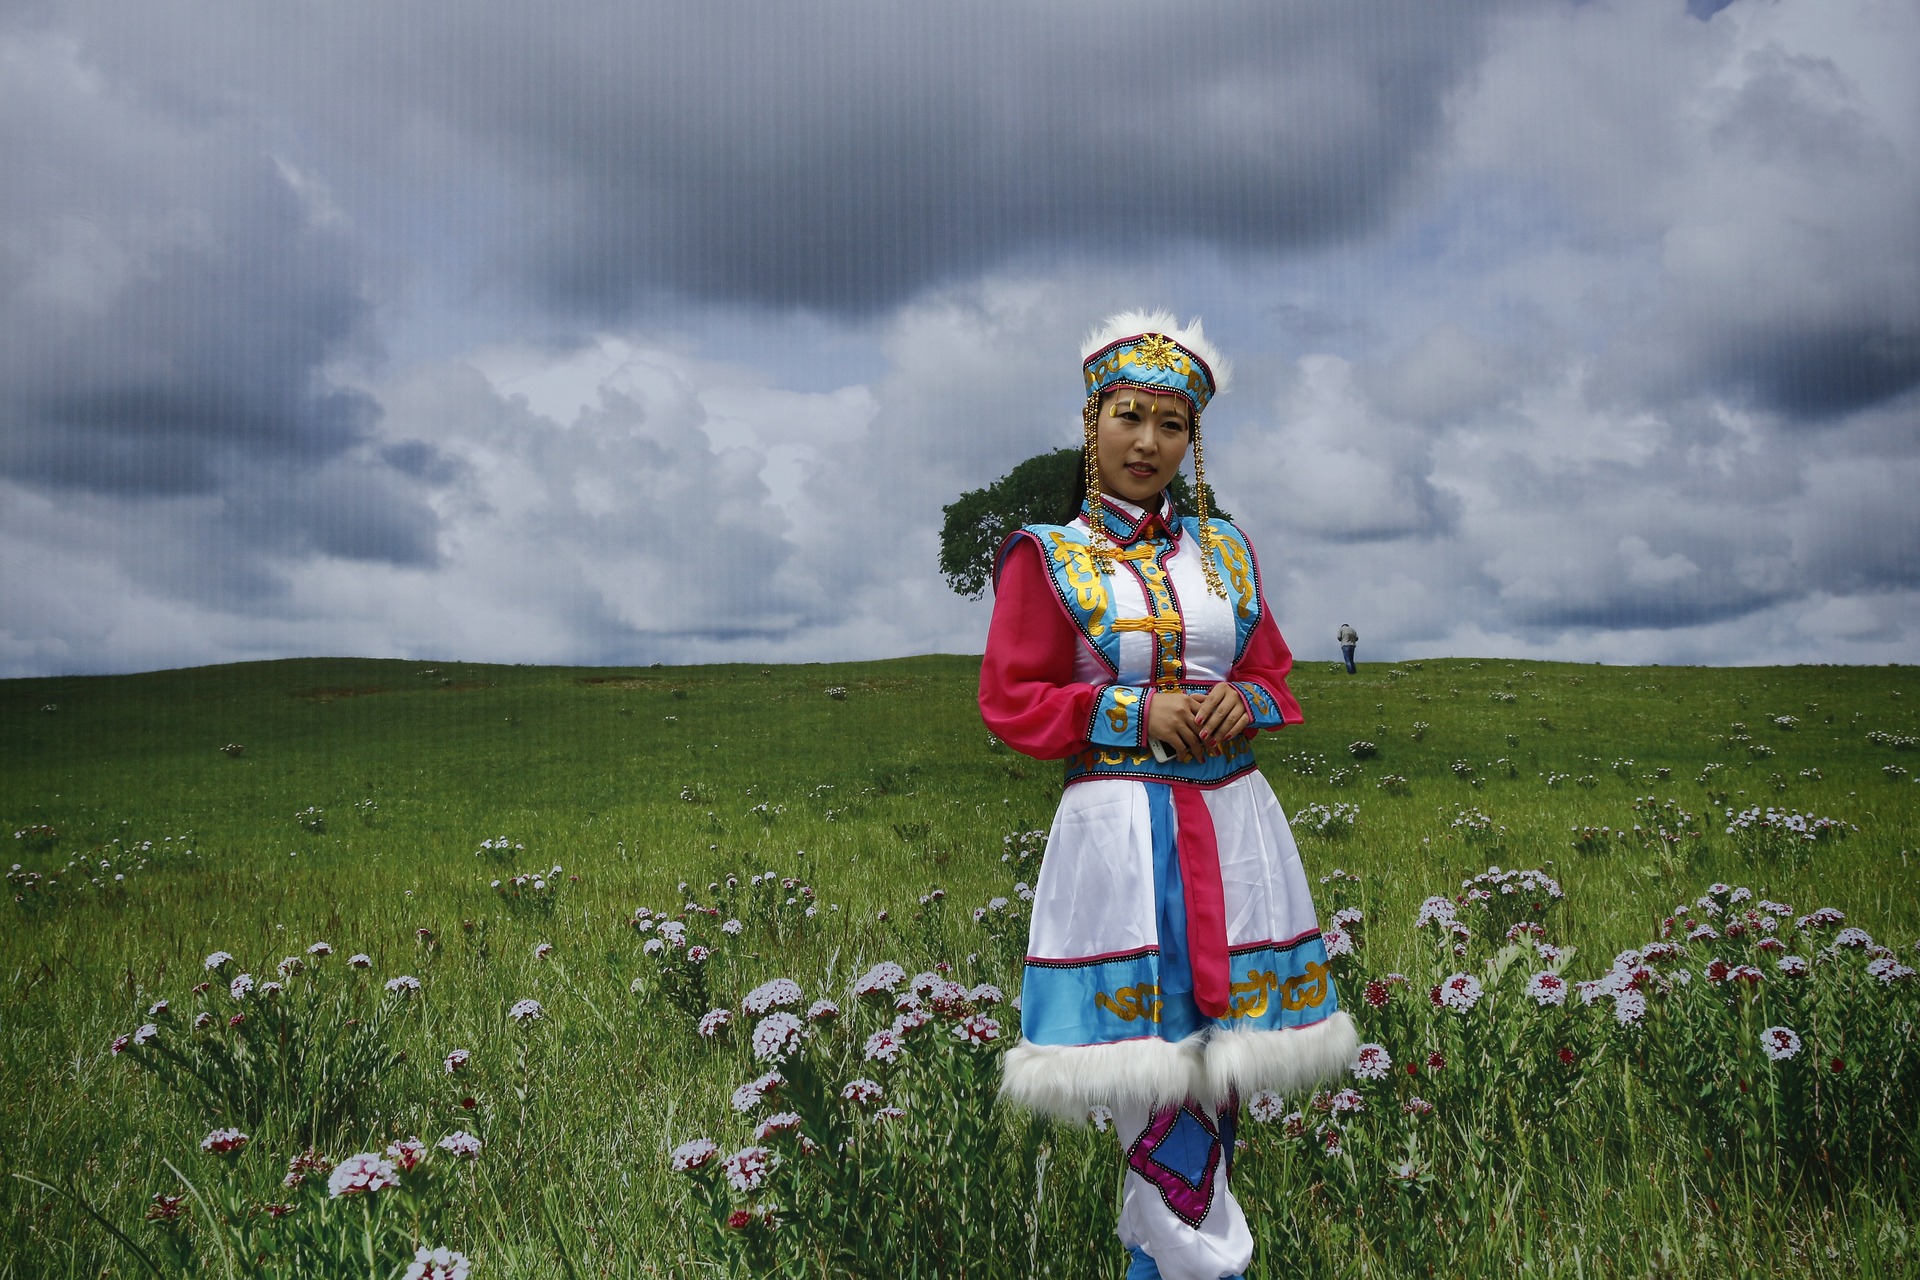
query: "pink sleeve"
1266, 663
1028, 695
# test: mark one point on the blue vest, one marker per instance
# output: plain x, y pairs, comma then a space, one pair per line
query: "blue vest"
1084, 588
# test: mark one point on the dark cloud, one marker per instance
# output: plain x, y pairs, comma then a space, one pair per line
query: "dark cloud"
176, 301
842, 157
1819, 374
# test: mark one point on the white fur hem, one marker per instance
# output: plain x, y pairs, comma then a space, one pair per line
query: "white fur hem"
1284, 1061
1065, 1080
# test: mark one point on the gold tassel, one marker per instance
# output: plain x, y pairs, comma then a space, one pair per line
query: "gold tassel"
1207, 564
1102, 550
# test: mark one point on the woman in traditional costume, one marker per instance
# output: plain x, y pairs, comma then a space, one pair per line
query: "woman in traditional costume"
1174, 963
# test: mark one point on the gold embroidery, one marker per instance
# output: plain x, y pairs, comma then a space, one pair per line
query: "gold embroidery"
1239, 572
1117, 714
1310, 988
1250, 997
1085, 576
1167, 624
1158, 352
1129, 1003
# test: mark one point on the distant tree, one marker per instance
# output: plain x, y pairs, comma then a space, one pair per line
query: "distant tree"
1045, 489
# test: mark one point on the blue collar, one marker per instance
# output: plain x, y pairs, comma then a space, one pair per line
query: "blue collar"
1128, 524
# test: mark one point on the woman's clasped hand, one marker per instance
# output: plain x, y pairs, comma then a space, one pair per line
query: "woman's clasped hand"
1191, 724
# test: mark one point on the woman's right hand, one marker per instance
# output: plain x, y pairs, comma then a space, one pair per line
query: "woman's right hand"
1173, 718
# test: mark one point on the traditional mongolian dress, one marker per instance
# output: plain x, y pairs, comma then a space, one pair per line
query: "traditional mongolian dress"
1174, 962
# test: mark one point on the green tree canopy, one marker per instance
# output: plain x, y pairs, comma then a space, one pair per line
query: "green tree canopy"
1044, 489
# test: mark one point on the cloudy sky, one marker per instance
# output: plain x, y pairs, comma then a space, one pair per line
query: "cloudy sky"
630, 332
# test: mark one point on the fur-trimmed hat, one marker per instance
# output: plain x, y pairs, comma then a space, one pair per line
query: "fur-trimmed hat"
1152, 351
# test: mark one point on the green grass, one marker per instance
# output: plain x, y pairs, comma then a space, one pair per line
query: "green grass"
638, 779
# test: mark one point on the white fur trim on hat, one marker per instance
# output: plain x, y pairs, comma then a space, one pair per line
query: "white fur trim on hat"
1191, 335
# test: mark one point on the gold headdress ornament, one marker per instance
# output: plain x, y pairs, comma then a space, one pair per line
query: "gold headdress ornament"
1134, 349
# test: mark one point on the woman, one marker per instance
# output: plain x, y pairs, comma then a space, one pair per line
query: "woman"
1174, 963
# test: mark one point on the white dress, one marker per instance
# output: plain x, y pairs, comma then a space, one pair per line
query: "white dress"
1154, 983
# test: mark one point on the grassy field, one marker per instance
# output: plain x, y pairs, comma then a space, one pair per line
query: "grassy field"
344, 800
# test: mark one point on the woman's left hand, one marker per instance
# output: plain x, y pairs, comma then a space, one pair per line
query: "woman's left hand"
1222, 714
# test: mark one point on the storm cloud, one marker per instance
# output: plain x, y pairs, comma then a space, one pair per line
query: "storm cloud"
605, 333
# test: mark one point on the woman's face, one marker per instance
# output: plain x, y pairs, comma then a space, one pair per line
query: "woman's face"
1142, 437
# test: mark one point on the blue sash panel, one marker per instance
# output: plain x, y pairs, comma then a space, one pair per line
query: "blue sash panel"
1149, 991
1104, 999
1119, 717
1266, 713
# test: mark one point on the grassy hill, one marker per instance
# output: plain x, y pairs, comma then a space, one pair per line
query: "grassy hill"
256, 807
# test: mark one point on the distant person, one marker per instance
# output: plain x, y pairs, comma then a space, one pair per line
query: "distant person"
1348, 639
1174, 964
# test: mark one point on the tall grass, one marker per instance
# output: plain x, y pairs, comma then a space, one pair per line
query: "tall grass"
634, 782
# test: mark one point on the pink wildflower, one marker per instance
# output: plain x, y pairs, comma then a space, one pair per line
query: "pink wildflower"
777, 1123
1371, 1062
777, 1037
437, 1264
1265, 1106
224, 1142
976, 1029
1547, 988
862, 1092
362, 1174
407, 1153
778, 993
1460, 992
885, 1045
750, 1095
1779, 1043
689, 1156
460, 1143
747, 1169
